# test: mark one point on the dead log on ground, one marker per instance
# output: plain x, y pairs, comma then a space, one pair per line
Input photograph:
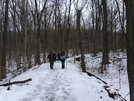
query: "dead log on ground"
90, 74
16, 82
107, 88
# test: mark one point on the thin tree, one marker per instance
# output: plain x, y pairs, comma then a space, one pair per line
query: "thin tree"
79, 33
93, 27
105, 56
15, 27
80, 41
1, 34
4, 44
39, 14
122, 23
68, 26
26, 34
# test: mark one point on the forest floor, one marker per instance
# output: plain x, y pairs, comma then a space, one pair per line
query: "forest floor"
69, 84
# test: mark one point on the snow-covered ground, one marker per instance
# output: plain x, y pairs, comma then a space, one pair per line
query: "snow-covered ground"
69, 84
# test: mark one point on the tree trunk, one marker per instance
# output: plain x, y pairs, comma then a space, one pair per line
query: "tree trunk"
105, 57
80, 41
17, 52
4, 44
38, 34
93, 29
25, 45
130, 45
68, 28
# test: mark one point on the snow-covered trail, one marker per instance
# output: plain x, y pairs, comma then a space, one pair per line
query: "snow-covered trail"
52, 86
55, 85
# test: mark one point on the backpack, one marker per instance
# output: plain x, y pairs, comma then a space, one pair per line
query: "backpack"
51, 56
54, 56
63, 57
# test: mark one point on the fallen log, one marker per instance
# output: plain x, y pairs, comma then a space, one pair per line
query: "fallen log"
90, 74
107, 88
16, 82
114, 94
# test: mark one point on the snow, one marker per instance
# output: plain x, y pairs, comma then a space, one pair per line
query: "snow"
69, 84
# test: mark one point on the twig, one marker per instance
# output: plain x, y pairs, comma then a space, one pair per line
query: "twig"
36, 67
8, 70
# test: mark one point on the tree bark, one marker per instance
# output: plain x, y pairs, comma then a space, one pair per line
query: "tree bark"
68, 28
4, 44
80, 41
17, 52
105, 57
26, 33
130, 45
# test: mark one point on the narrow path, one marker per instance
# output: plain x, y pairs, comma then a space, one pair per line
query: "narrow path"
52, 86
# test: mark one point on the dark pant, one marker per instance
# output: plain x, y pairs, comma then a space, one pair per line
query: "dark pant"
63, 64
51, 64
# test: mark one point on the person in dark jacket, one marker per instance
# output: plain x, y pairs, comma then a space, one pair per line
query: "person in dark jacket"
51, 58
58, 56
62, 59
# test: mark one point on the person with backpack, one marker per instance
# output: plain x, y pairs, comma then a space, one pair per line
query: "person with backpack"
58, 56
51, 58
54, 56
62, 59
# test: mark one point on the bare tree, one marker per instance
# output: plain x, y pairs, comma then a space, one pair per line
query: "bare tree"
39, 14
130, 44
80, 41
105, 57
4, 44
14, 14
93, 27
1, 34
96, 24
122, 22
68, 26
26, 34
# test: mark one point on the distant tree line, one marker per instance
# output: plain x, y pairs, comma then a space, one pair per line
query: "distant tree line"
32, 27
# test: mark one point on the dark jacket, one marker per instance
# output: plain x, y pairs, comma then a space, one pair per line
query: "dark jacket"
51, 57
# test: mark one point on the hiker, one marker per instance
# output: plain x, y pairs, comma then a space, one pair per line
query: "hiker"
51, 58
54, 56
62, 59
58, 56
